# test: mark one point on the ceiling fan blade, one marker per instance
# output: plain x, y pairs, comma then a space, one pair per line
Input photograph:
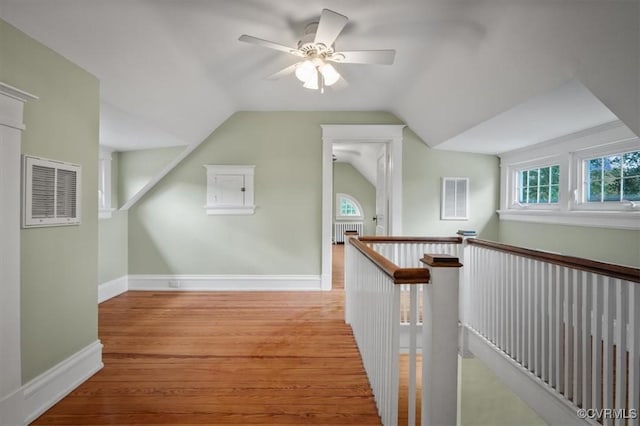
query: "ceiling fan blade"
270, 44
379, 57
286, 71
330, 25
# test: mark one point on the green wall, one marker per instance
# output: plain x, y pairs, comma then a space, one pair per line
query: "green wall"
138, 167
606, 245
169, 232
113, 242
423, 170
59, 268
347, 180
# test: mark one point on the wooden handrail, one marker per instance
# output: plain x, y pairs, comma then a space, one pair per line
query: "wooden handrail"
397, 274
611, 270
389, 239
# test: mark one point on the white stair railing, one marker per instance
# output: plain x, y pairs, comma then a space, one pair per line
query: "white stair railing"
571, 323
372, 308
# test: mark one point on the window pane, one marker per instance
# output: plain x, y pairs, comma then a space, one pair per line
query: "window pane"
544, 194
632, 188
555, 174
594, 168
539, 185
612, 167
611, 189
554, 193
595, 191
544, 176
631, 164
348, 208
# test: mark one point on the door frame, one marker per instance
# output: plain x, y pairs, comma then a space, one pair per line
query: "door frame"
12, 102
390, 134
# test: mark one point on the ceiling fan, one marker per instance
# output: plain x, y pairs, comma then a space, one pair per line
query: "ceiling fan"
316, 50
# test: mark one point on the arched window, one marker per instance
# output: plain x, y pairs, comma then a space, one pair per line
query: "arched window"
348, 207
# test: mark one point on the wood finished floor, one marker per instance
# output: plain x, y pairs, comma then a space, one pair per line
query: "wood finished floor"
179, 358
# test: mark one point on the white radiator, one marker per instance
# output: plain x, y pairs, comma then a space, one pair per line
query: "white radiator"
340, 227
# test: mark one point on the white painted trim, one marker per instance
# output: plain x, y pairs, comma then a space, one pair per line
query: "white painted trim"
567, 152
392, 135
11, 125
113, 288
534, 392
16, 93
44, 391
228, 210
11, 408
105, 213
595, 219
224, 282
603, 134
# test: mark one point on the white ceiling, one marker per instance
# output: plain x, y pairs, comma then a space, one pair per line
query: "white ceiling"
172, 71
566, 109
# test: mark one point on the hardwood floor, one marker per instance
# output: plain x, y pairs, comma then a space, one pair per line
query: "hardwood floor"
223, 358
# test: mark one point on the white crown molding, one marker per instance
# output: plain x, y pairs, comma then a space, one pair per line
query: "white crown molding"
224, 282
48, 388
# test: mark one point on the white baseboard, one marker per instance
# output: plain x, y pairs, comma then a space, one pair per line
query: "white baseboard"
534, 392
112, 288
225, 282
44, 391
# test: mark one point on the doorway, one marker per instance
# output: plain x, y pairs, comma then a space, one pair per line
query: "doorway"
390, 135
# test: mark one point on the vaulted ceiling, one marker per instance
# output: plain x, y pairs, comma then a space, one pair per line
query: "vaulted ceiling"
172, 71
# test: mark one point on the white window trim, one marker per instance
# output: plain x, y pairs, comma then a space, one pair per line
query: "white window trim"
513, 171
568, 152
104, 183
339, 215
248, 207
577, 185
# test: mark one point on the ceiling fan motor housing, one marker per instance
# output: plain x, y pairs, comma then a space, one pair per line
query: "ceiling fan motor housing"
308, 46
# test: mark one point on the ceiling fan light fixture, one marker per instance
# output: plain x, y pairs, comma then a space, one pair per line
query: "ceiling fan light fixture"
306, 71
312, 82
329, 74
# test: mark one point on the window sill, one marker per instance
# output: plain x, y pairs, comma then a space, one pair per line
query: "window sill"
105, 213
598, 219
229, 210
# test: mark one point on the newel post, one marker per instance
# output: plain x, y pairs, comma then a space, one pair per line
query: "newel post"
440, 341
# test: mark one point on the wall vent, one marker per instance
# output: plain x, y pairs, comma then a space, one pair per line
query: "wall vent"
455, 198
51, 193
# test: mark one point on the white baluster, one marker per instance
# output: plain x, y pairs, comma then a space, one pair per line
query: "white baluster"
634, 351
620, 289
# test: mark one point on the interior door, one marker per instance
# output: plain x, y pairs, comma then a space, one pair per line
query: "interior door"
382, 196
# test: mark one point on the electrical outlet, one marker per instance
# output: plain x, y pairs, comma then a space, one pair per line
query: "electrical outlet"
174, 284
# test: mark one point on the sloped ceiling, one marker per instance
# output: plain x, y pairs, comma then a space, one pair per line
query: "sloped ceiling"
172, 71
